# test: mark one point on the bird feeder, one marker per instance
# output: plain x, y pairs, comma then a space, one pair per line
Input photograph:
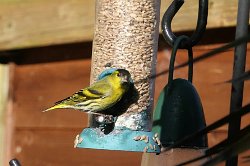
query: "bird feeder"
126, 37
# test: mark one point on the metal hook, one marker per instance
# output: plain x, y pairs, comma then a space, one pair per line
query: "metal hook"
200, 27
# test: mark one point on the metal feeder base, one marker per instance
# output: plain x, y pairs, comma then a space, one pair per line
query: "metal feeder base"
118, 139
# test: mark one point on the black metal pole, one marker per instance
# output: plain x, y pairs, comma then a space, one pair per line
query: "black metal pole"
238, 69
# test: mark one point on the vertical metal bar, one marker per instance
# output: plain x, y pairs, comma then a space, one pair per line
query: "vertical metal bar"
238, 69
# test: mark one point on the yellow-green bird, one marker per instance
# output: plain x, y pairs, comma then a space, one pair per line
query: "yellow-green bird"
99, 96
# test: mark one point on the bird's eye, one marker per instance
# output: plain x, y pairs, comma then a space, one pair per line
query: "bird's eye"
118, 74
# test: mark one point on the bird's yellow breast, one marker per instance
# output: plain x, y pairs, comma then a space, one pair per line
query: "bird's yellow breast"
117, 88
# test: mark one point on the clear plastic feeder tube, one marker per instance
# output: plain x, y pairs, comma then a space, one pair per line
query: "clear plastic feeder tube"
126, 36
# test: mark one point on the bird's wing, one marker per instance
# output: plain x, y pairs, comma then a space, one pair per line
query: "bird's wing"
78, 96
99, 89
96, 91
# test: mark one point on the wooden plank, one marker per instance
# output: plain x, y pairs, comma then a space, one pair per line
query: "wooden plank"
29, 23
4, 84
9, 117
221, 13
217, 136
55, 147
7, 120
39, 86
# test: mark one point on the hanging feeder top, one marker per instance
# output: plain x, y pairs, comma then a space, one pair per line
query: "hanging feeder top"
179, 111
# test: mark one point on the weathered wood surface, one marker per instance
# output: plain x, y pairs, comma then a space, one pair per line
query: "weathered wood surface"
29, 23
48, 137
4, 84
39, 86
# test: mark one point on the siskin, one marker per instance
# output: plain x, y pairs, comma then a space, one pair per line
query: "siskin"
100, 96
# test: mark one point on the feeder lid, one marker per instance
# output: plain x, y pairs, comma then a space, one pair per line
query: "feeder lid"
179, 113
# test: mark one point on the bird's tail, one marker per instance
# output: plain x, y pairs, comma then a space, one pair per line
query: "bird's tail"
55, 107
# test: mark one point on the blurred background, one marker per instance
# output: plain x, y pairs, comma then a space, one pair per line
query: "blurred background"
45, 56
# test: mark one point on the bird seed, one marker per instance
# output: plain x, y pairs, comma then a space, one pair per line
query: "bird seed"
151, 146
146, 139
126, 36
145, 149
158, 141
143, 137
137, 138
